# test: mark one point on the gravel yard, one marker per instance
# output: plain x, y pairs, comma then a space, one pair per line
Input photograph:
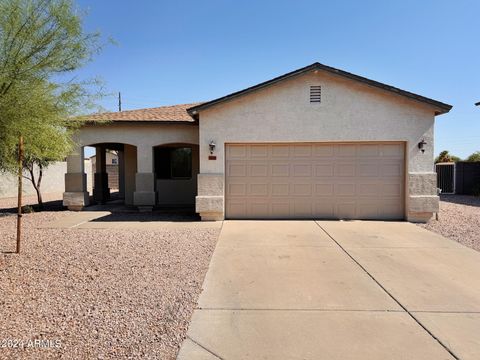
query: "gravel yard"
459, 220
101, 293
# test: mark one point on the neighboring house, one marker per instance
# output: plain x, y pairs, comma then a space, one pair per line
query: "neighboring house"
314, 143
111, 164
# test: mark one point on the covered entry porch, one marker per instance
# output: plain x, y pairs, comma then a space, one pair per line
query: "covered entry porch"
158, 165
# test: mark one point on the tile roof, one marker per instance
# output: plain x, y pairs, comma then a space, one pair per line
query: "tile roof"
162, 113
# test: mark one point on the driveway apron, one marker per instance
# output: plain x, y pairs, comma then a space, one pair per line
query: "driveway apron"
336, 290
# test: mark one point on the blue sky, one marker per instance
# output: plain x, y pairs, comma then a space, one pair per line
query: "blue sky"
172, 52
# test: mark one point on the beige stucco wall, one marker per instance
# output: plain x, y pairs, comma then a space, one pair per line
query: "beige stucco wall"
349, 111
142, 135
53, 180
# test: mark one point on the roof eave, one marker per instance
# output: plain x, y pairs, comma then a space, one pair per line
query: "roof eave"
106, 122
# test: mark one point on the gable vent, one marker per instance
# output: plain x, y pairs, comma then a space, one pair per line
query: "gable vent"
315, 94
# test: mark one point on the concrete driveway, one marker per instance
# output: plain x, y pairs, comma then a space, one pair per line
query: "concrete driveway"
336, 290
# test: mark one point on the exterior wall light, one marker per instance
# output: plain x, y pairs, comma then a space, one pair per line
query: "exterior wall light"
211, 146
421, 145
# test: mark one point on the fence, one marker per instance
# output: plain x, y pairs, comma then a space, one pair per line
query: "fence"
461, 178
446, 180
467, 177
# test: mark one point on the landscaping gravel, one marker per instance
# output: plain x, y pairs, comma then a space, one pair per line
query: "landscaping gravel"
459, 220
103, 294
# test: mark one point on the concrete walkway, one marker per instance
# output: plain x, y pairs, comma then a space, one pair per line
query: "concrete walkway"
127, 221
336, 290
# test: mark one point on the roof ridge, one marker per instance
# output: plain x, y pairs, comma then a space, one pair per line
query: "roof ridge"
443, 107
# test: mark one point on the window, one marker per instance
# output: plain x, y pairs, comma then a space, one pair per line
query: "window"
114, 161
173, 162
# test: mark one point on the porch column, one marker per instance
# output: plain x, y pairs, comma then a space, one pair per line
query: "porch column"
101, 191
76, 195
121, 174
144, 196
130, 169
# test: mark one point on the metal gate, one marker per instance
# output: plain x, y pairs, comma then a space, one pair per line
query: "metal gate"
446, 177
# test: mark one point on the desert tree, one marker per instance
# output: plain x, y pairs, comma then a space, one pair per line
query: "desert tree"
446, 157
474, 157
42, 44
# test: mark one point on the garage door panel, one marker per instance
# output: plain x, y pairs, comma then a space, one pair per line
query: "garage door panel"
391, 189
394, 170
236, 152
344, 189
236, 169
280, 209
323, 189
367, 169
392, 150
351, 181
302, 170
368, 150
258, 170
346, 210
280, 151
302, 151
239, 208
367, 189
282, 170
239, 189
322, 170
258, 152
259, 189
347, 170
323, 151
302, 209
302, 189
389, 211
281, 189
368, 210
324, 208
345, 150
260, 207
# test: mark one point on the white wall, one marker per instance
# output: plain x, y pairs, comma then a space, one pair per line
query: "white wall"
53, 181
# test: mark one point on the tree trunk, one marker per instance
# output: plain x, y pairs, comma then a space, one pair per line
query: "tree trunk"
37, 189
36, 184
39, 198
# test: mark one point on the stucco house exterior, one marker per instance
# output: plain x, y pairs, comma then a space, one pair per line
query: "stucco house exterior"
317, 142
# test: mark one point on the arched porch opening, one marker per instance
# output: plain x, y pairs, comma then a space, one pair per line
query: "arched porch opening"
114, 166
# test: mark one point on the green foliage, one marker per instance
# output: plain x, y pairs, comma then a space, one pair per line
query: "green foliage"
445, 156
28, 209
41, 44
474, 157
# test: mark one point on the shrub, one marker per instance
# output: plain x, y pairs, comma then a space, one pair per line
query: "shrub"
27, 209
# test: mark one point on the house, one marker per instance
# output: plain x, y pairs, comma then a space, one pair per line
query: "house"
317, 142
111, 167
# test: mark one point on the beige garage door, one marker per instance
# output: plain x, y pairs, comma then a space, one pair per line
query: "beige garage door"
337, 181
